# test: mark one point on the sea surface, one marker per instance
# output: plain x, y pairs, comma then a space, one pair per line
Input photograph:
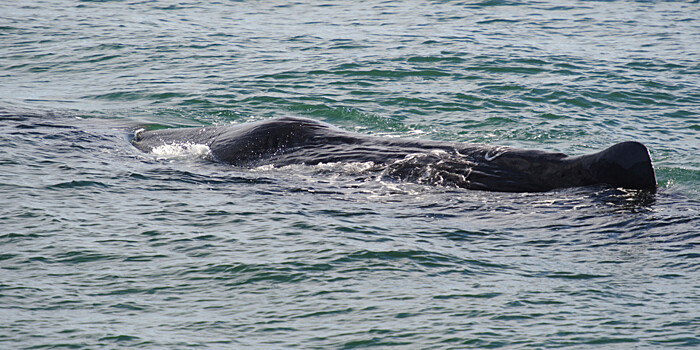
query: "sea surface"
103, 246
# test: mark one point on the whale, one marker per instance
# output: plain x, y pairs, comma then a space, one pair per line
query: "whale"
299, 141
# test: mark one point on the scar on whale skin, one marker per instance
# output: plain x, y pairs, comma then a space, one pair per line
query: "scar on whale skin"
289, 140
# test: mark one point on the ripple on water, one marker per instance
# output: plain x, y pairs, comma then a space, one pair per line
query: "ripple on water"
104, 246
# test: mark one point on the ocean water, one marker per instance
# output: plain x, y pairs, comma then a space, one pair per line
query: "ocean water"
103, 246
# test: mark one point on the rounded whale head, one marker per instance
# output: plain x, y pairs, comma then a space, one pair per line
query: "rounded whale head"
626, 164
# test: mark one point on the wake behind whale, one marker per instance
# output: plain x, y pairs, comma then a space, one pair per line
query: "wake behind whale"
288, 141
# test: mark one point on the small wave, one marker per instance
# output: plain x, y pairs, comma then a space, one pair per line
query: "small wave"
76, 184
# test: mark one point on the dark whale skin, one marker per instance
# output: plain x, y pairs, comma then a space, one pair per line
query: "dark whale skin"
290, 140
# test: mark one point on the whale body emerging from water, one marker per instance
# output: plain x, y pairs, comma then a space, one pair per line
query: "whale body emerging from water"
288, 140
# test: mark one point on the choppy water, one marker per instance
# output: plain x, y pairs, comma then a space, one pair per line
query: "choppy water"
103, 246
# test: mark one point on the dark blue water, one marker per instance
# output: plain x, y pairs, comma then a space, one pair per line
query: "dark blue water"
103, 246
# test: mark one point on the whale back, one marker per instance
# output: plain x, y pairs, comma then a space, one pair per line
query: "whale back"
287, 141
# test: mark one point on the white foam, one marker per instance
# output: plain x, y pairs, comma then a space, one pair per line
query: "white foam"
182, 150
266, 167
346, 167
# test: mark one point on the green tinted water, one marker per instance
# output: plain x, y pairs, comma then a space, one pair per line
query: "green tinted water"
103, 246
